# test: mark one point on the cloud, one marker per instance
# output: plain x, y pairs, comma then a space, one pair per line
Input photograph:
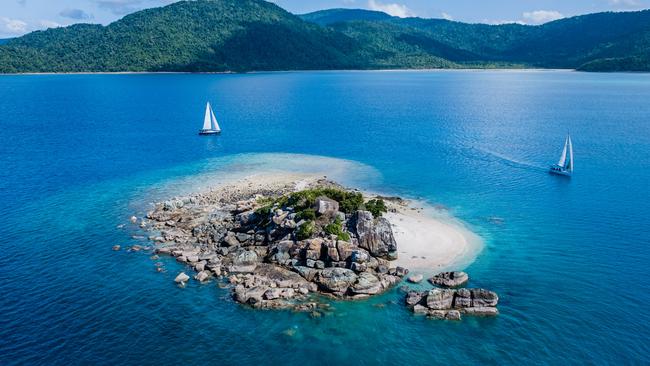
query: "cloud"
76, 14
624, 2
446, 16
122, 7
22, 2
12, 26
46, 24
501, 22
396, 10
542, 16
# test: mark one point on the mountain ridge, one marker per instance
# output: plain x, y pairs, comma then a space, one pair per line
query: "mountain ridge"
255, 35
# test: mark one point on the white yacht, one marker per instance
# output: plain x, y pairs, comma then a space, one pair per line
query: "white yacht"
210, 124
565, 165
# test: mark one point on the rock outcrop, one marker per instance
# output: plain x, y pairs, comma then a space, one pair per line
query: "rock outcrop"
336, 280
449, 279
182, 278
275, 254
326, 206
375, 235
452, 303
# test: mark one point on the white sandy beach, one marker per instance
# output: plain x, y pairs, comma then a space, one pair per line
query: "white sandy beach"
427, 244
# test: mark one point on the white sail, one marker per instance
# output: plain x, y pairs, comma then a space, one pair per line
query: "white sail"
215, 124
207, 123
563, 157
570, 163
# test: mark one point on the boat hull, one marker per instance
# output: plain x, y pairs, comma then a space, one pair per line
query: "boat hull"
209, 132
558, 170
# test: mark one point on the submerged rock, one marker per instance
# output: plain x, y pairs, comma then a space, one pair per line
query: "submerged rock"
481, 311
202, 276
415, 278
182, 278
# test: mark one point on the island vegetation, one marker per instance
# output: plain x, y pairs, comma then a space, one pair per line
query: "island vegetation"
255, 35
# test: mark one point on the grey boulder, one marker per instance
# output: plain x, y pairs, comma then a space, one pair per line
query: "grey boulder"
326, 206
375, 235
182, 278
449, 279
336, 279
440, 299
415, 278
367, 284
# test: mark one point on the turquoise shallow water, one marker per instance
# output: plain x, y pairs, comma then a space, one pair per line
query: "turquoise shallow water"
82, 153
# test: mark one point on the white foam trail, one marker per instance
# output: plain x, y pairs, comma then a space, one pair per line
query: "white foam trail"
510, 161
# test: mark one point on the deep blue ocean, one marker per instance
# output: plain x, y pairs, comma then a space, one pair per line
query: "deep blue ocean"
80, 154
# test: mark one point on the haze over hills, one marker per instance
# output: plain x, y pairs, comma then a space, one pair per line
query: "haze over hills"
254, 35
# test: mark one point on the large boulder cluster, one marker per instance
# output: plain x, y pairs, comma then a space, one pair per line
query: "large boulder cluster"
450, 303
257, 242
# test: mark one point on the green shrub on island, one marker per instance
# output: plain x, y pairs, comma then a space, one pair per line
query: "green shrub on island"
264, 211
305, 231
377, 207
306, 214
352, 202
349, 202
336, 228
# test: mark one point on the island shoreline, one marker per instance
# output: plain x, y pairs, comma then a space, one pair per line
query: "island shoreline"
478, 69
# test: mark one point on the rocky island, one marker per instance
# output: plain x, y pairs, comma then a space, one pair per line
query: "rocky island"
279, 245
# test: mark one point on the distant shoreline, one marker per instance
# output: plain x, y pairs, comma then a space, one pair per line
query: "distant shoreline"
292, 71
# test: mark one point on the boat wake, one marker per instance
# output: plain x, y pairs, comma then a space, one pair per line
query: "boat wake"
491, 155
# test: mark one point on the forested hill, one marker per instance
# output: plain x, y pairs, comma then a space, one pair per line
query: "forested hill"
249, 35
204, 35
594, 42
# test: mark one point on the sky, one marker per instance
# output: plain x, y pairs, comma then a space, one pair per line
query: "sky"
18, 17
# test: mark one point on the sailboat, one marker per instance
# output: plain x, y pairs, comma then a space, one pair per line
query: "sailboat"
210, 124
565, 165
